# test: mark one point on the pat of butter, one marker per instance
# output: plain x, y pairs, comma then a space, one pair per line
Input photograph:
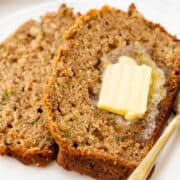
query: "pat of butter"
125, 88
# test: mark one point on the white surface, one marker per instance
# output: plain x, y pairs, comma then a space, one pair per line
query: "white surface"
166, 12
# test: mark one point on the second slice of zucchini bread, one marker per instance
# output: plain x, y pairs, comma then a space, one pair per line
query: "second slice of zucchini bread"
25, 59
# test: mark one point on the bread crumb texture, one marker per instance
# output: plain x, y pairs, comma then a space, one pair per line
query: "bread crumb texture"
25, 59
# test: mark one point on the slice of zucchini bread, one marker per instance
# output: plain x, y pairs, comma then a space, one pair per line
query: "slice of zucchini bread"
96, 142
25, 58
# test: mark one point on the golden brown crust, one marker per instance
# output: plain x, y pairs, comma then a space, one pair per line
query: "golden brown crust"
165, 108
35, 157
94, 165
97, 165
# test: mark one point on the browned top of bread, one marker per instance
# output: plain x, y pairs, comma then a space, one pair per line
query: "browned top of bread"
25, 58
97, 142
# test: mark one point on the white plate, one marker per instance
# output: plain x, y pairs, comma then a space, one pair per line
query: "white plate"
165, 12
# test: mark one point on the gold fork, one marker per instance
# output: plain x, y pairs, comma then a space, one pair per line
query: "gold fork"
142, 171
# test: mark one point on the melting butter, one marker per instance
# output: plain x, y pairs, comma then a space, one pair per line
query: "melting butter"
125, 88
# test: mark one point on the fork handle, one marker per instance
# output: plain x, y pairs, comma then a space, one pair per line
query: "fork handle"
141, 172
